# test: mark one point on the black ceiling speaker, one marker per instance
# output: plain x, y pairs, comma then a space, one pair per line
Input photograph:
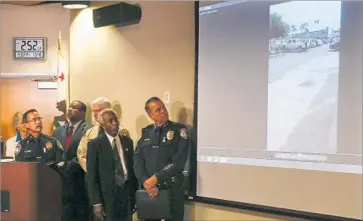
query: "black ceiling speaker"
121, 14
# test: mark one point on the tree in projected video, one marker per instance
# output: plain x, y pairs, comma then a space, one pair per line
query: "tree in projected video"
278, 28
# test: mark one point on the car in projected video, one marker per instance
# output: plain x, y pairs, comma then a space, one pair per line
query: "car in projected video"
334, 44
295, 45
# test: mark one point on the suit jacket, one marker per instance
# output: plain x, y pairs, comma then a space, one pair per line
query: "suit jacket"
100, 171
61, 133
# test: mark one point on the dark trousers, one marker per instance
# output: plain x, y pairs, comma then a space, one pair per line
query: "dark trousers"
120, 209
176, 199
75, 200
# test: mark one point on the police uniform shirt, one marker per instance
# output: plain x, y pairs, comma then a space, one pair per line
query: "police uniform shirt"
161, 151
41, 149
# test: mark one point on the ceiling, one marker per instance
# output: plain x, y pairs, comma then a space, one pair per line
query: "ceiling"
23, 3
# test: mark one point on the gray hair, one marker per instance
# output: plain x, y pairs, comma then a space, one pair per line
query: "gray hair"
152, 99
17, 117
103, 101
103, 113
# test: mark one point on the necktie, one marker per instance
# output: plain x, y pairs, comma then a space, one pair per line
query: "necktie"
18, 137
119, 174
69, 136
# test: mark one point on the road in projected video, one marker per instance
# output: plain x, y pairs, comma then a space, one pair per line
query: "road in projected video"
303, 76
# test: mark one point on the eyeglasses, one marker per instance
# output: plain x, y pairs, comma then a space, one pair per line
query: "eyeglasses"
34, 120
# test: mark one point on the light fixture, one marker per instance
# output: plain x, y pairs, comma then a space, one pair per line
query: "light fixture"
75, 4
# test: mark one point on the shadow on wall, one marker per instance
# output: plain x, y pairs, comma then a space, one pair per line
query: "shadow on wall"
116, 106
141, 122
179, 113
89, 112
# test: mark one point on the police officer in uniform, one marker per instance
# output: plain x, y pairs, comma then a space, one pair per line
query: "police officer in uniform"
160, 156
38, 147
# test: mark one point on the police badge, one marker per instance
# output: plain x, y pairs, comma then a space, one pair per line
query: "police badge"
17, 149
170, 135
49, 145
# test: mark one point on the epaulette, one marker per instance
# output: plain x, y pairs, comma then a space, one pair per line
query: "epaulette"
46, 136
177, 124
148, 127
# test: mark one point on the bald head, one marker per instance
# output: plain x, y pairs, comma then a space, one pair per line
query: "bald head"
109, 121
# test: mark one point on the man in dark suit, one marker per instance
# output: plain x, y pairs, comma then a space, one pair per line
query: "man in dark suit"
75, 205
111, 180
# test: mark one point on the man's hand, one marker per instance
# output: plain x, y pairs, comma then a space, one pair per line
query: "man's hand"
98, 212
153, 192
150, 183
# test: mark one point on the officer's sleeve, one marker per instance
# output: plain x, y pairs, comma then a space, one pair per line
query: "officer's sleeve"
59, 152
139, 161
82, 150
178, 159
93, 173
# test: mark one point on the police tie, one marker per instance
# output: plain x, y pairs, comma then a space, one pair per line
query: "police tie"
69, 136
119, 174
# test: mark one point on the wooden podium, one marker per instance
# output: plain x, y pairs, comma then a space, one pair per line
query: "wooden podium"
33, 192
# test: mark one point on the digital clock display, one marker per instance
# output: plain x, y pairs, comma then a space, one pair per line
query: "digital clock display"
29, 48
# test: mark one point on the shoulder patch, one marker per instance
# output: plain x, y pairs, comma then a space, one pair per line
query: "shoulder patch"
17, 148
124, 132
184, 133
49, 145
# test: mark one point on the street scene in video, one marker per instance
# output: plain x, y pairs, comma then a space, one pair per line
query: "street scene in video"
303, 76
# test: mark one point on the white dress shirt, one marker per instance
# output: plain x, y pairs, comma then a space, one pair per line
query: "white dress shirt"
75, 126
10, 147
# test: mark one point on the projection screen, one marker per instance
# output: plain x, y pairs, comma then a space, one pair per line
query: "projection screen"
280, 105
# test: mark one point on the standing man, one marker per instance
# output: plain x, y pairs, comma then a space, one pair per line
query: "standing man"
38, 147
160, 156
75, 205
97, 106
71, 133
110, 173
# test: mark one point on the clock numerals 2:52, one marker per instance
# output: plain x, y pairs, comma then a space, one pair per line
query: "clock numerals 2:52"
29, 45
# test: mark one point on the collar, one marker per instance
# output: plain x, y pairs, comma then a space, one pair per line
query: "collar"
163, 126
75, 126
111, 138
31, 137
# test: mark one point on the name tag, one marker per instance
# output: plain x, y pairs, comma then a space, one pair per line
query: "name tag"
155, 146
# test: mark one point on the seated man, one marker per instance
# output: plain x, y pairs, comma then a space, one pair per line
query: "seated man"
38, 147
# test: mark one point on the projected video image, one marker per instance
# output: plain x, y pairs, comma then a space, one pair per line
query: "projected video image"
304, 49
